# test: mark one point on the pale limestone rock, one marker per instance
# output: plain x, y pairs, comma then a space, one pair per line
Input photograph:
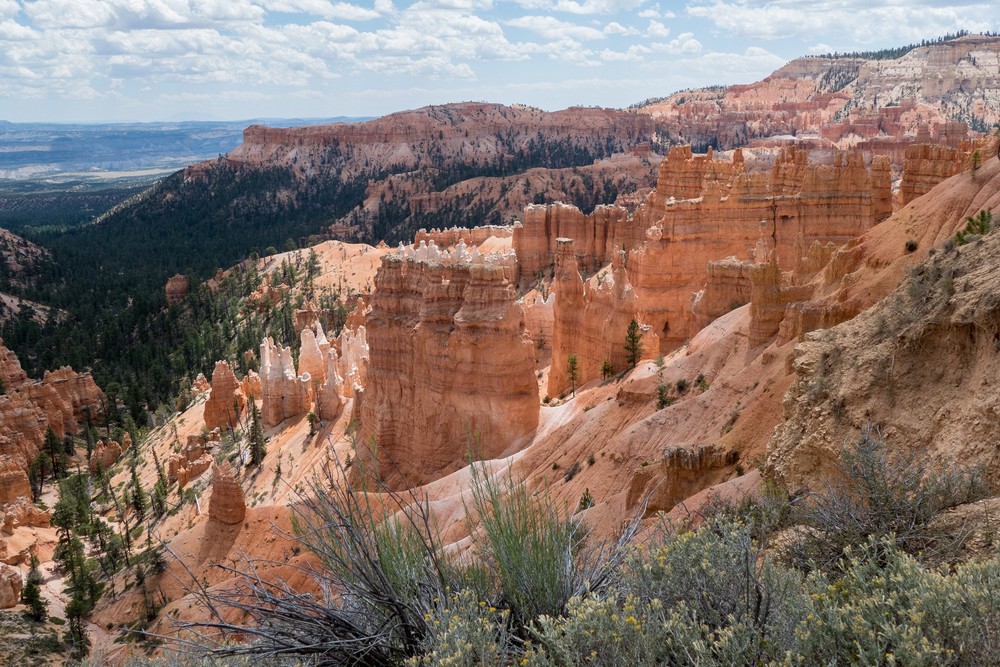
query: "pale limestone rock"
284, 393
11, 584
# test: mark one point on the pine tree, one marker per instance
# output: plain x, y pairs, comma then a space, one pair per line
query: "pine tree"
572, 372
258, 448
31, 595
140, 502
633, 344
607, 369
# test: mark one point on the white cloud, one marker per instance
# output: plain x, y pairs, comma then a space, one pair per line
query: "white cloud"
328, 10
583, 7
615, 28
657, 29
683, 44
554, 28
861, 21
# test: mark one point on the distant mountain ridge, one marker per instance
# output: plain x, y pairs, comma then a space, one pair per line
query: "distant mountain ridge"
31, 150
844, 100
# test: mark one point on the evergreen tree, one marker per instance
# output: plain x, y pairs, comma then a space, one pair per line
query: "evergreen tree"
140, 502
258, 448
607, 369
633, 344
572, 372
31, 595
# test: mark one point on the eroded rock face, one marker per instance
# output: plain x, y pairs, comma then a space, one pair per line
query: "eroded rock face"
23, 512
590, 319
13, 480
285, 394
227, 401
105, 455
452, 365
60, 401
453, 235
681, 472
844, 100
11, 584
594, 236
353, 361
177, 288
226, 504
925, 166
329, 396
705, 210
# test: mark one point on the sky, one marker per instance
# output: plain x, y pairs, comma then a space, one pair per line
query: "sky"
161, 60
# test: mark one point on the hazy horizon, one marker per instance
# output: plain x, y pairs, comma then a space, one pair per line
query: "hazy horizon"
108, 61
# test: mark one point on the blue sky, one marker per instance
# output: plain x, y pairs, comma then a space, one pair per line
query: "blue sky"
145, 60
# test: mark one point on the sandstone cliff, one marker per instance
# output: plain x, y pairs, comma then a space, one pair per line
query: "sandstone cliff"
876, 368
452, 367
848, 100
60, 401
721, 210
590, 319
227, 400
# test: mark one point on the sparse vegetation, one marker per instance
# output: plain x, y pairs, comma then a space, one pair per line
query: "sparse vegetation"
735, 591
633, 344
975, 228
572, 372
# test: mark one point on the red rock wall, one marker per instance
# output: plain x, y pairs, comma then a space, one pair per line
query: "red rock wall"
590, 319
790, 208
594, 236
452, 366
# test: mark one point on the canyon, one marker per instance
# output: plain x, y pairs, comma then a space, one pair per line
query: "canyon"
786, 294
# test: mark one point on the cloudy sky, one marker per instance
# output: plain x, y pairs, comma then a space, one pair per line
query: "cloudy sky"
98, 60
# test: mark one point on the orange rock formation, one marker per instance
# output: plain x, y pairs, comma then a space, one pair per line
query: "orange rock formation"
226, 505
452, 367
60, 401
177, 288
590, 319
227, 400
285, 393
720, 210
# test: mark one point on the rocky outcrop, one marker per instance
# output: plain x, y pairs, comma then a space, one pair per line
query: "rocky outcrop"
105, 455
445, 238
770, 295
251, 386
352, 365
11, 584
847, 101
13, 480
226, 504
681, 472
594, 237
227, 401
452, 368
313, 350
539, 319
23, 512
721, 210
925, 166
61, 400
590, 319
177, 288
727, 287
284, 393
193, 460
919, 364
330, 394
